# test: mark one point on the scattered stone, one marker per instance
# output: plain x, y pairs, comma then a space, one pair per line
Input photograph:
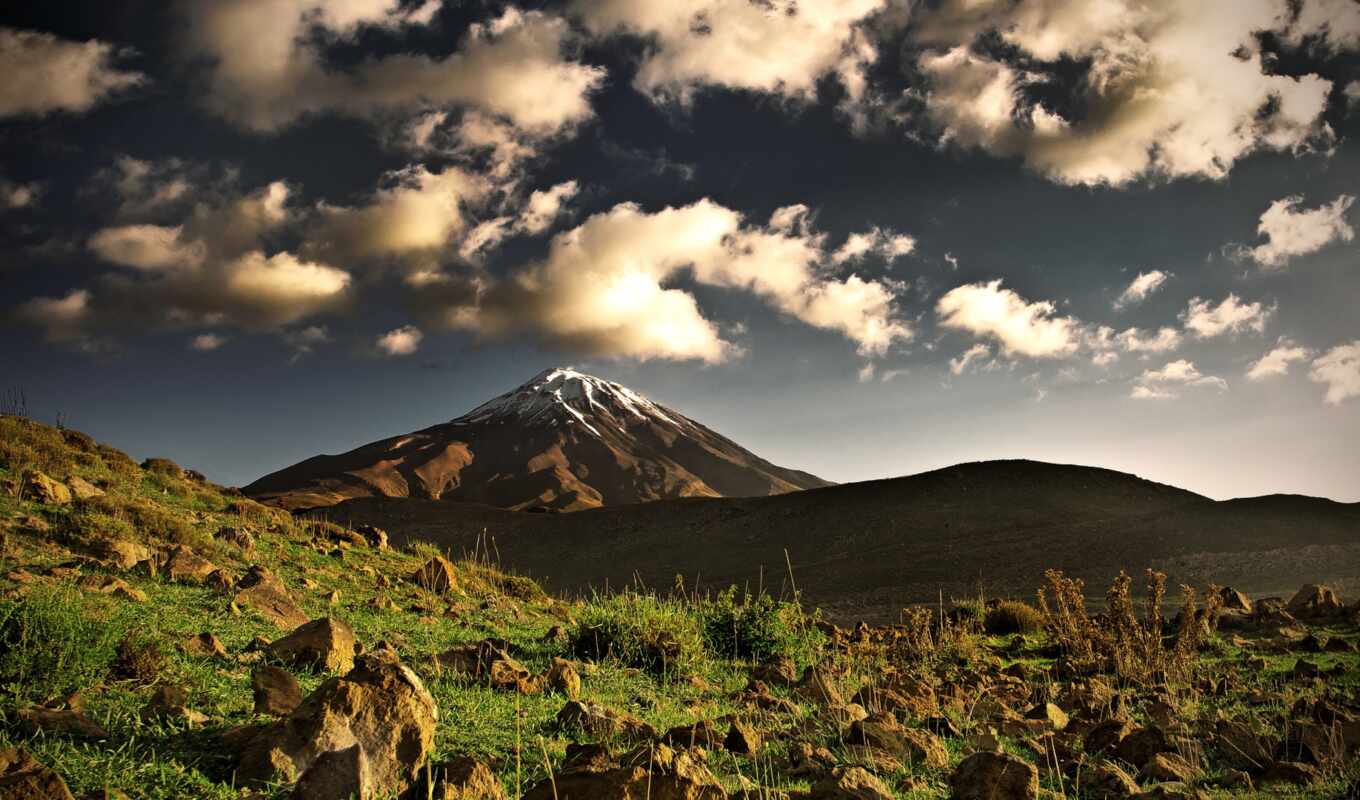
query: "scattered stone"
703, 734
106, 584
380, 706
1288, 772
324, 644
465, 778
1107, 735
1314, 600
995, 776
437, 575
336, 775
42, 488
1164, 767
656, 771
1139, 747
851, 783
804, 759
1052, 716
742, 739
600, 721
562, 677
183, 565
205, 645
83, 489
66, 723
276, 691
377, 537
262, 592
780, 671
120, 553
238, 538
1108, 782
170, 703
23, 777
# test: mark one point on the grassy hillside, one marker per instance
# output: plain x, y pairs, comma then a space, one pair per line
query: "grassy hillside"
101, 613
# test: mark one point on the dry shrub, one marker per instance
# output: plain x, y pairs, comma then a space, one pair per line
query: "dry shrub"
930, 638
1063, 604
1012, 616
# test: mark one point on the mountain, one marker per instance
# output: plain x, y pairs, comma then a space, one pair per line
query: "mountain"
862, 550
563, 441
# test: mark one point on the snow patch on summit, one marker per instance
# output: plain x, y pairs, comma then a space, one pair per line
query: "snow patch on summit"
564, 395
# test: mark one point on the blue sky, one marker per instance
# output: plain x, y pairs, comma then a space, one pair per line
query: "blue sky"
862, 238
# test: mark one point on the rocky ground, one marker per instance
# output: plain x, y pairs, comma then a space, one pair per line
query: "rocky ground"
161, 637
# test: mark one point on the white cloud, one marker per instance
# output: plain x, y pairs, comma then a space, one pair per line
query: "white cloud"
1336, 21
1231, 316
971, 356
778, 47
1140, 288
1291, 232
147, 247
1339, 369
401, 341
1170, 88
1140, 392
544, 206
268, 73
45, 74
886, 244
1277, 361
1021, 327
207, 341
62, 318
1182, 372
14, 196
144, 187
1134, 340
604, 286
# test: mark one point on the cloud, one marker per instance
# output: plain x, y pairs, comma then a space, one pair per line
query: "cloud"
1166, 88
45, 74
1335, 24
972, 355
886, 244
778, 47
1231, 316
61, 318
205, 342
147, 247
304, 341
1133, 340
1021, 327
144, 187
1339, 369
1141, 288
544, 206
401, 341
1152, 384
1277, 361
267, 76
14, 196
1291, 232
606, 286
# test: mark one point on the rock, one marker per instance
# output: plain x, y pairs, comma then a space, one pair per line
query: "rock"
42, 488
276, 691
1139, 747
995, 776
183, 565
703, 734
658, 773
850, 783
323, 644
380, 706
205, 645
819, 686
65, 723
1237, 779
1288, 772
1107, 735
1242, 747
238, 538
1054, 718
1164, 767
1234, 600
83, 489
170, 703
119, 553
562, 677
804, 759
507, 674
908, 745
780, 671
437, 575
1314, 601
336, 775
742, 739
262, 592
105, 584
602, 722
1108, 782
23, 777
377, 537
464, 778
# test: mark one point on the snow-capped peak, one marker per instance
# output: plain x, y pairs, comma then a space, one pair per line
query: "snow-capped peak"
562, 394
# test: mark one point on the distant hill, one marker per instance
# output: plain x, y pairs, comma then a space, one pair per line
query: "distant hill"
563, 441
864, 549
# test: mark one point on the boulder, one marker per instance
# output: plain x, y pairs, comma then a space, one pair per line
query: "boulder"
261, 591
995, 776
42, 488
464, 778
82, 489
562, 677
64, 723
23, 777
380, 707
276, 691
377, 537
436, 575
1288, 772
1140, 746
780, 671
107, 584
238, 538
657, 773
204, 645
1164, 767
1054, 718
183, 565
323, 644
703, 734
850, 783
742, 739
170, 704
1107, 735
119, 553
602, 722
1234, 600
336, 775
1314, 601
1108, 782
907, 745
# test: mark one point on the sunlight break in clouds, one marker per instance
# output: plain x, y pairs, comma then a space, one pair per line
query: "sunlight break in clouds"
1291, 231
45, 74
603, 286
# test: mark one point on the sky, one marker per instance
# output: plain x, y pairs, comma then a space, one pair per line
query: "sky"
863, 238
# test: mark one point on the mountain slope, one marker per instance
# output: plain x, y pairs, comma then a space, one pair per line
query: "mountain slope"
864, 549
564, 441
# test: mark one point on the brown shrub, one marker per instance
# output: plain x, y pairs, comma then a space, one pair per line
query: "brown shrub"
1013, 616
